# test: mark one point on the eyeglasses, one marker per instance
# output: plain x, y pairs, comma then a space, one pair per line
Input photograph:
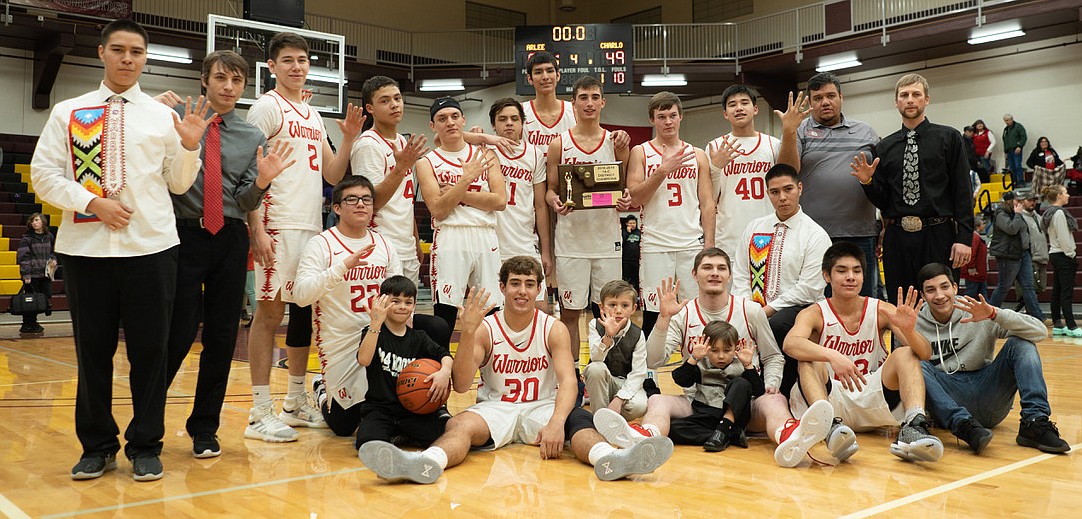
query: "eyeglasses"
354, 200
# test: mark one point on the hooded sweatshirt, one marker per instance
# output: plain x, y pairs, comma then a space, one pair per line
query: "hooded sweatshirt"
958, 346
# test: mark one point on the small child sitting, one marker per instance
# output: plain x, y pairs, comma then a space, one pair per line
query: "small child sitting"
617, 368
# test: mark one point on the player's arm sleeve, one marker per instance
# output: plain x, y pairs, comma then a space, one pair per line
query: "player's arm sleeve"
1016, 324
314, 278
661, 344
598, 350
635, 378
50, 168
432, 349
810, 285
687, 374
247, 194
770, 357
741, 274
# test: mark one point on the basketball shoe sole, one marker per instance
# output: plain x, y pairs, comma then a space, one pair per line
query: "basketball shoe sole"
642, 458
615, 429
813, 428
390, 462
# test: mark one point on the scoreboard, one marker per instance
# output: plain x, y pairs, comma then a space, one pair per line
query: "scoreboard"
604, 51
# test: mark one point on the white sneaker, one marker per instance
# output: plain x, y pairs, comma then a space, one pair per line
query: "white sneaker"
841, 441
616, 430
303, 414
642, 458
263, 425
390, 462
800, 435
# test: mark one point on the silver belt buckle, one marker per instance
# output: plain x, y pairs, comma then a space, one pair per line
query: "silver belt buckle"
912, 224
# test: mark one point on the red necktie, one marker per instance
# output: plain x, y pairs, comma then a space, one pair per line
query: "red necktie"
213, 219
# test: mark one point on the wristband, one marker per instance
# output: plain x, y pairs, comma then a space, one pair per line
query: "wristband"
865, 183
994, 314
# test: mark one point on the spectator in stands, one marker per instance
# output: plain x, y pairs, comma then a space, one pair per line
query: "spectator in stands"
1048, 169
1014, 138
1011, 248
983, 141
1061, 226
975, 273
630, 254
35, 258
1038, 245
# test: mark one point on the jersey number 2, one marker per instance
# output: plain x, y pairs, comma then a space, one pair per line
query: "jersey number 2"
312, 158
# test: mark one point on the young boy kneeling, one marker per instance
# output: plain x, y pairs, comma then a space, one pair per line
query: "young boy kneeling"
389, 344
617, 366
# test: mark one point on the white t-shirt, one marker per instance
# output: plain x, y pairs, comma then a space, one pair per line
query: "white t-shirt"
447, 166
373, 157
740, 191
670, 218
295, 198
340, 299
519, 368
588, 233
516, 224
864, 347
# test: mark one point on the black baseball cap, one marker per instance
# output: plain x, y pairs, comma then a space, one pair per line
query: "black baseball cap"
440, 104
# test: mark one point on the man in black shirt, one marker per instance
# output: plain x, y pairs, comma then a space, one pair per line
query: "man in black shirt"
920, 181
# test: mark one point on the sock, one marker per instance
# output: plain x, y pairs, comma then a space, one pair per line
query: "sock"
600, 450
260, 396
725, 426
295, 392
654, 431
436, 454
912, 413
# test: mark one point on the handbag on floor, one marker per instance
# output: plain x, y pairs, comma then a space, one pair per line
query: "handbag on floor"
27, 302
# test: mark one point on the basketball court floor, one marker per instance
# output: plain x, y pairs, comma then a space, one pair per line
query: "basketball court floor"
320, 476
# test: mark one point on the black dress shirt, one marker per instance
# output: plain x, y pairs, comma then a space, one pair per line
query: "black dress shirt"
945, 188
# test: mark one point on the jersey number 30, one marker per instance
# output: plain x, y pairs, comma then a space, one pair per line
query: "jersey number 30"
519, 390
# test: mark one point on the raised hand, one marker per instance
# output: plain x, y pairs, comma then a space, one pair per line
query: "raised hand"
668, 304
862, 170
699, 346
355, 259
725, 153
795, 112
410, 153
306, 95
612, 327
352, 124
272, 165
377, 311
620, 139
676, 157
194, 124
977, 310
473, 169
168, 98
905, 313
474, 309
746, 353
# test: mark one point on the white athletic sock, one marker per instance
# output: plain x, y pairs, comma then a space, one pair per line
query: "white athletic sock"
296, 388
261, 396
436, 454
653, 429
600, 450
912, 413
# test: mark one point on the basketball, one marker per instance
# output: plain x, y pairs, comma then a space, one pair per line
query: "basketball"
412, 388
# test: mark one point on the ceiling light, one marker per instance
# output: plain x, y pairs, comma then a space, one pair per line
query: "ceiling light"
167, 53
996, 36
662, 80
837, 65
441, 85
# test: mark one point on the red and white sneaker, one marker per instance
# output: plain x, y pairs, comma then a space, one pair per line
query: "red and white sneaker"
617, 431
797, 436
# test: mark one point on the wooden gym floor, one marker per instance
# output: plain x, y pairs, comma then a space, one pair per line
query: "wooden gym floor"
320, 476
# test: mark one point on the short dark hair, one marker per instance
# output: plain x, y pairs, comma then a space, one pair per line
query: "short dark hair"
933, 270
781, 170
738, 89
722, 331
230, 61
285, 39
348, 182
398, 286
498, 106
710, 252
541, 58
524, 265
616, 288
125, 25
374, 83
843, 249
822, 79
585, 82
664, 101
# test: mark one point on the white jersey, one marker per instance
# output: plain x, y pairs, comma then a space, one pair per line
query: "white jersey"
373, 157
339, 315
740, 191
864, 346
447, 166
295, 198
540, 134
519, 368
588, 233
516, 224
670, 218
692, 319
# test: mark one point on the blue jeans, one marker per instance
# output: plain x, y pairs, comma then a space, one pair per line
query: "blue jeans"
975, 288
1014, 163
987, 393
871, 272
1022, 270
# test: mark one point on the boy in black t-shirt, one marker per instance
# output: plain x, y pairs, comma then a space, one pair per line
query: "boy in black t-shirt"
387, 346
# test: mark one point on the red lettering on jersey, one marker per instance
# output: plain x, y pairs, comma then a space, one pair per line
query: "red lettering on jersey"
849, 349
502, 363
365, 272
684, 172
746, 168
520, 173
537, 139
298, 131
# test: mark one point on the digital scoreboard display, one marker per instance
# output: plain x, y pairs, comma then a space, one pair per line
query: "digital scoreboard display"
604, 51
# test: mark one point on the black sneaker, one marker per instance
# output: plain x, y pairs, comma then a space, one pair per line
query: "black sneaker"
974, 434
91, 467
147, 468
1041, 434
205, 445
